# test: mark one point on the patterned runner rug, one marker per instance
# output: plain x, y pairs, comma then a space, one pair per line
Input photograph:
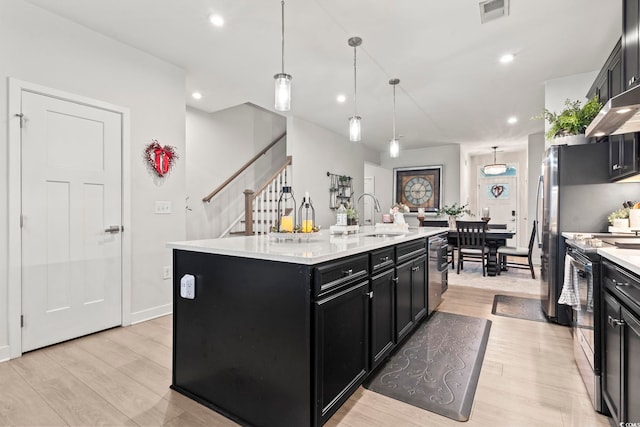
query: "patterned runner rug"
437, 368
519, 308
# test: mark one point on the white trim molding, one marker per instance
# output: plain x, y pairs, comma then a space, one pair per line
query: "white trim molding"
16, 87
5, 353
151, 313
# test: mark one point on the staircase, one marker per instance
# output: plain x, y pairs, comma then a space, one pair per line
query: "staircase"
260, 205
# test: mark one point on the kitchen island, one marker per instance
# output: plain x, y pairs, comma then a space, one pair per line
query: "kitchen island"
280, 333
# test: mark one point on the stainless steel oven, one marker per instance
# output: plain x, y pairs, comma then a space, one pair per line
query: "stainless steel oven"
585, 272
438, 269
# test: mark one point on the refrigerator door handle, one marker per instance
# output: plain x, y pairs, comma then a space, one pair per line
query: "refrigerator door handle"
538, 193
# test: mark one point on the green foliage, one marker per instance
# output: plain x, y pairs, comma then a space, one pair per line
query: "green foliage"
621, 213
573, 120
455, 210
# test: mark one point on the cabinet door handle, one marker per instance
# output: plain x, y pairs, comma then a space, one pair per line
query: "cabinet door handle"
616, 167
395, 280
632, 80
370, 295
348, 272
416, 268
616, 283
615, 322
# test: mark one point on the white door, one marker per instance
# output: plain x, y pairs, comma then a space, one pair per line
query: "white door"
500, 195
71, 197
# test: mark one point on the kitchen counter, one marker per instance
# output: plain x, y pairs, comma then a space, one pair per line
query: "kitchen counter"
308, 250
280, 333
627, 258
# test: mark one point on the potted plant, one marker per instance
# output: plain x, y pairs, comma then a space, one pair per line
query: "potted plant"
619, 218
454, 211
572, 120
352, 216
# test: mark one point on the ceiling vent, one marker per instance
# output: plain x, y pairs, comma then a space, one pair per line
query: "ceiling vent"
493, 9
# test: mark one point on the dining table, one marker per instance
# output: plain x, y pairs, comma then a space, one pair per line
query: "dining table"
494, 238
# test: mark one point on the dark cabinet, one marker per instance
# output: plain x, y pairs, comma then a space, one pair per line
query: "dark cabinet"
411, 286
383, 301
621, 376
404, 312
630, 42
342, 346
611, 384
623, 155
609, 83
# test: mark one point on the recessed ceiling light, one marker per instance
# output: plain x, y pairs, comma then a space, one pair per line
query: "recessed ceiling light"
512, 120
341, 98
216, 20
196, 95
505, 59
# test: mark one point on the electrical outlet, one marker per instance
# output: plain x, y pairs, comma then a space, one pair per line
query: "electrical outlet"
166, 272
163, 207
188, 286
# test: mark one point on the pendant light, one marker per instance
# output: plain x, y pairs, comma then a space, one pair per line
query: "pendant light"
283, 80
394, 145
495, 168
355, 129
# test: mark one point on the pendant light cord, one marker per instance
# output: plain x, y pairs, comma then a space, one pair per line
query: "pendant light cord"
394, 112
355, 91
282, 4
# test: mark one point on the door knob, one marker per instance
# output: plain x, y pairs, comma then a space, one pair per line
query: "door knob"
112, 229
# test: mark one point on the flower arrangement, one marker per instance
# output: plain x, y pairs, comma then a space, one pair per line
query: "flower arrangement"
399, 208
455, 210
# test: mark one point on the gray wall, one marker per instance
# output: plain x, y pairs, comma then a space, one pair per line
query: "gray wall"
217, 145
446, 155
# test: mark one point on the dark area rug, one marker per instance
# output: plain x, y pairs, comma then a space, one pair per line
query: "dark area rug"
519, 308
437, 368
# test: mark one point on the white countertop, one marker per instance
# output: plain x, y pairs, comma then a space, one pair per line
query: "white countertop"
320, 247
627, 258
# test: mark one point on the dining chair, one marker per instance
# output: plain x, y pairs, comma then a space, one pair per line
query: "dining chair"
506, 252
472, 243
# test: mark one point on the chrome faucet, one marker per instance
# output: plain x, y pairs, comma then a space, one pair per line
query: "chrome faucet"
376, 203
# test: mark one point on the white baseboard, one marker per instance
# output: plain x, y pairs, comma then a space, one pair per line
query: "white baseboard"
5, 354
151, 313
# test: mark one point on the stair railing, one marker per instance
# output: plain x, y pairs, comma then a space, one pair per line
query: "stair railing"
264, 202
244, 167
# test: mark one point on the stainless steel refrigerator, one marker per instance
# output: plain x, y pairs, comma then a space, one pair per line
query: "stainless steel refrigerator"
574, 195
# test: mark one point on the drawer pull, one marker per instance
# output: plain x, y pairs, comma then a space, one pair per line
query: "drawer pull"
384, 259
615, 322
616, 283
348, 272
416, 268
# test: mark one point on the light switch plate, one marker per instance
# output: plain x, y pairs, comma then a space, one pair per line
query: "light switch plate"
163, 207
188, 286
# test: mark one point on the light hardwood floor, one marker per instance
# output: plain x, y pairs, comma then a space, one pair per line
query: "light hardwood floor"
122, 377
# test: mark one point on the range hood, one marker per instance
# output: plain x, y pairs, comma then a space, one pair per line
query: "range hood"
621, 114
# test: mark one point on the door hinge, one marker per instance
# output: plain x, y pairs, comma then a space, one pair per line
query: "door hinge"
21, 220
21, 116
22, 320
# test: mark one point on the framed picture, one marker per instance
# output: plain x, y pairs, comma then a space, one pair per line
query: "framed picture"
418, 187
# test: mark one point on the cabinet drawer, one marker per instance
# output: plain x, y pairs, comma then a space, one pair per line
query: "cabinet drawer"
334, 275
382, 259
411, 249
623, 284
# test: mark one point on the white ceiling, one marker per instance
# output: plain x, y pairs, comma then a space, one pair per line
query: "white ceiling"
452, 87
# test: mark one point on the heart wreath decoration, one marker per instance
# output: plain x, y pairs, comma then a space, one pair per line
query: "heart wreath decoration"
497, 190
160, 159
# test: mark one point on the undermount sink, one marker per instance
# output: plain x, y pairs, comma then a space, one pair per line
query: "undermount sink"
387, 234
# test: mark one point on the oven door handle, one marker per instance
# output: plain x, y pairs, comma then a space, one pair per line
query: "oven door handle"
581, 265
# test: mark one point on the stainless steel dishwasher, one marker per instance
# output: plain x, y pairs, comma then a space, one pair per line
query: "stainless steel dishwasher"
438, 270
